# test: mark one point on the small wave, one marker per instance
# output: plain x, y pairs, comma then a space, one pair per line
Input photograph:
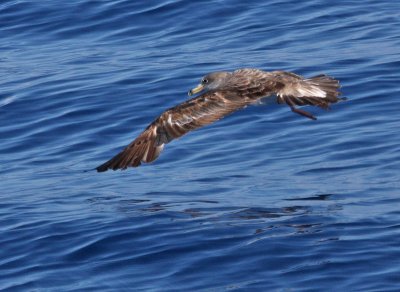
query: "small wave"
7, 100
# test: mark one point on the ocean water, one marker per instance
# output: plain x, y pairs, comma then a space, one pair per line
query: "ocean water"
263, 200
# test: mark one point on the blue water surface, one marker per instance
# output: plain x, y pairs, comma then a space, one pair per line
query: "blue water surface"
262, 200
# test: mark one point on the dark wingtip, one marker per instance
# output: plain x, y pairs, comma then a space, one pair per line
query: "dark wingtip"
110, 164
102, 168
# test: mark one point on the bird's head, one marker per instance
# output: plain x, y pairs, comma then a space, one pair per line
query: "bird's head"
211, 81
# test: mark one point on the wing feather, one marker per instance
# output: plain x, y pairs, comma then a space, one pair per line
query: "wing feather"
174, 123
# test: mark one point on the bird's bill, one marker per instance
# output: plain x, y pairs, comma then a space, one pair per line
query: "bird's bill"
195, 90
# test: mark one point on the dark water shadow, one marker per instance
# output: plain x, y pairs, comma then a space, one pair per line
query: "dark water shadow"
320, 197
298, 217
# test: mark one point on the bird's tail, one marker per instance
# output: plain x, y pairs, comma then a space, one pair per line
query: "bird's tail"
320, 91
328, 85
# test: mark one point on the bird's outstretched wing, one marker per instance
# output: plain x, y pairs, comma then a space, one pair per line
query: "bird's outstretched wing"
174, 123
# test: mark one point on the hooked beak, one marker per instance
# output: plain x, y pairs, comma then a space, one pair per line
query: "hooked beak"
195, 90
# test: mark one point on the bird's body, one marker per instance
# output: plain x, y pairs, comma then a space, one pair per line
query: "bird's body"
225, 92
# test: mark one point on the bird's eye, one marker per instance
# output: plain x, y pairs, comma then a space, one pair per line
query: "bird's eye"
204, 81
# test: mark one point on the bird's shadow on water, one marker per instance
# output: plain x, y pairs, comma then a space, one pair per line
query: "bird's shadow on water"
320, 197
301, 215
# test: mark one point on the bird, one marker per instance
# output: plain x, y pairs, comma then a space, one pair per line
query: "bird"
223, 93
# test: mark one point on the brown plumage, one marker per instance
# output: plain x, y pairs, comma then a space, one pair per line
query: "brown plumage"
225, 92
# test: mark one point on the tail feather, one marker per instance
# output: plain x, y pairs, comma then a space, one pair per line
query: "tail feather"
320, 91
329, 85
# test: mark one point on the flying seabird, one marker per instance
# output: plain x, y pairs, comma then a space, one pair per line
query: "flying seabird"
225, 93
